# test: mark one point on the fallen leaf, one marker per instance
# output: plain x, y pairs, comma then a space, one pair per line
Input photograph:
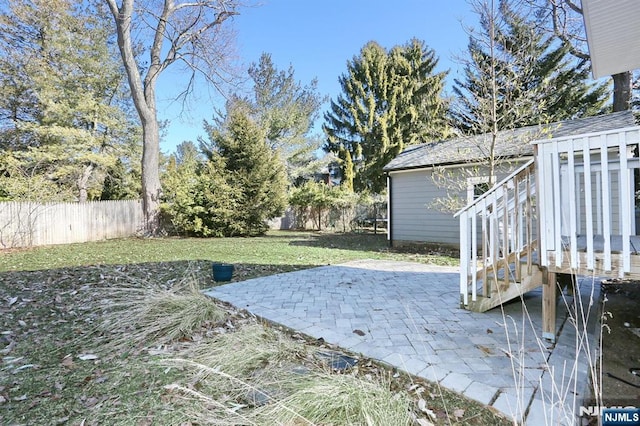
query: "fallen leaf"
145, 421
2, 399
87, 357
422, 405
24, 367
430, 413
358, 332
22, 323
20, 398
458, 413
12, 300
9, 348
67, 361
423, 422
90, 402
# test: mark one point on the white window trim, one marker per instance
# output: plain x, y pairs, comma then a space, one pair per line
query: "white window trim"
472, 182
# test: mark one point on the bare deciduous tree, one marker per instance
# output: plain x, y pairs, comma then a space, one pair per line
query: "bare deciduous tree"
564, 18
190, 32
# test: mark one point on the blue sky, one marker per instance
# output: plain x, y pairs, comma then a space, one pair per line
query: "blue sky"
317, 38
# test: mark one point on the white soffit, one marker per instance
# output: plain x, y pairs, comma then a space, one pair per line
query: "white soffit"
613, 35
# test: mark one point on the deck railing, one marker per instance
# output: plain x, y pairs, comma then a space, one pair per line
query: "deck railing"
587, 203
497, 230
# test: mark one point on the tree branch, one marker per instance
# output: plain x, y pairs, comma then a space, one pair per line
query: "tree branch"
560, 29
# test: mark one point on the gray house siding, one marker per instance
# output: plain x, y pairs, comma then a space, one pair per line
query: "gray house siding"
412, 189
413, 219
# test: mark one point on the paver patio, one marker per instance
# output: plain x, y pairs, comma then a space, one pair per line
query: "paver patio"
407, 315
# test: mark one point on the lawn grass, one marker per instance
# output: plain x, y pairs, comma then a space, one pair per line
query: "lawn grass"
59, 365
283, 248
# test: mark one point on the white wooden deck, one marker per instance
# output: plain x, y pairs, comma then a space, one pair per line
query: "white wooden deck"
573, 207
602, 261
599, 243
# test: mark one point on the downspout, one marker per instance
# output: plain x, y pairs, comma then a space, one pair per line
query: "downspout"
389, 211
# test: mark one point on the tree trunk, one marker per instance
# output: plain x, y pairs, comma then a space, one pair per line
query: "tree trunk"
82, 182
143, 94
622, 91
173, 36
151, 189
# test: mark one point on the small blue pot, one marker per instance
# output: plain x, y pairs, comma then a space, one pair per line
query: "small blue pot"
222, 271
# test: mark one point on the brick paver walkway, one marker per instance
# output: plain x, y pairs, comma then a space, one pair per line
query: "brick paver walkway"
407, 315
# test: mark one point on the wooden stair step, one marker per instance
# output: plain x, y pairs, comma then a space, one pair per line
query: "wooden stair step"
514, 290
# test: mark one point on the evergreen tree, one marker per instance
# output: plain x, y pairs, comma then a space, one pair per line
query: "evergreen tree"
187, 152
252, 168
121, 181
347, 167
197, 197
62, 115
516, 76
285, 110
389, 100
564, 20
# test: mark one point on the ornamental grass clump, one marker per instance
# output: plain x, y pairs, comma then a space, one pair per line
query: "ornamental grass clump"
339, 399
142, 314
317, 396
253, 347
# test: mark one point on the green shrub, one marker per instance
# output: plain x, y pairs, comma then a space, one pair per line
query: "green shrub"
240, 185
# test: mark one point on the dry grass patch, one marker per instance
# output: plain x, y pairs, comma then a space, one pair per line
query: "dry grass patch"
284, 396
253, 347
339, 399
259, 375
139, 314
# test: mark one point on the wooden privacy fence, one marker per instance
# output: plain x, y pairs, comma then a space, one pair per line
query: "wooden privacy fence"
25, 224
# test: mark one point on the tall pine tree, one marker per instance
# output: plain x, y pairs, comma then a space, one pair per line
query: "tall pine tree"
255, 172
525, 75
63, 116
389, 100
286, 110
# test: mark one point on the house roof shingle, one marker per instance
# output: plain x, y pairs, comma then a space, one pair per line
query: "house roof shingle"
509, 143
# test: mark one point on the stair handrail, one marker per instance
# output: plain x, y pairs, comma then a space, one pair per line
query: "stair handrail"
493, 188
505, 237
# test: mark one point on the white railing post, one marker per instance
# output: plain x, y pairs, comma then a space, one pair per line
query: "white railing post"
573, 233
625, 207
464, 258
606, 198
474, 254
556, 206
588, 203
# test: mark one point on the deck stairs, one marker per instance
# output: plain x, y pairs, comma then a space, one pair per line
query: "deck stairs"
498, 259
570, 210
505, 286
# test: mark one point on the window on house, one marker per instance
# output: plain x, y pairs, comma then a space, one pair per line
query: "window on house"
476, 186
